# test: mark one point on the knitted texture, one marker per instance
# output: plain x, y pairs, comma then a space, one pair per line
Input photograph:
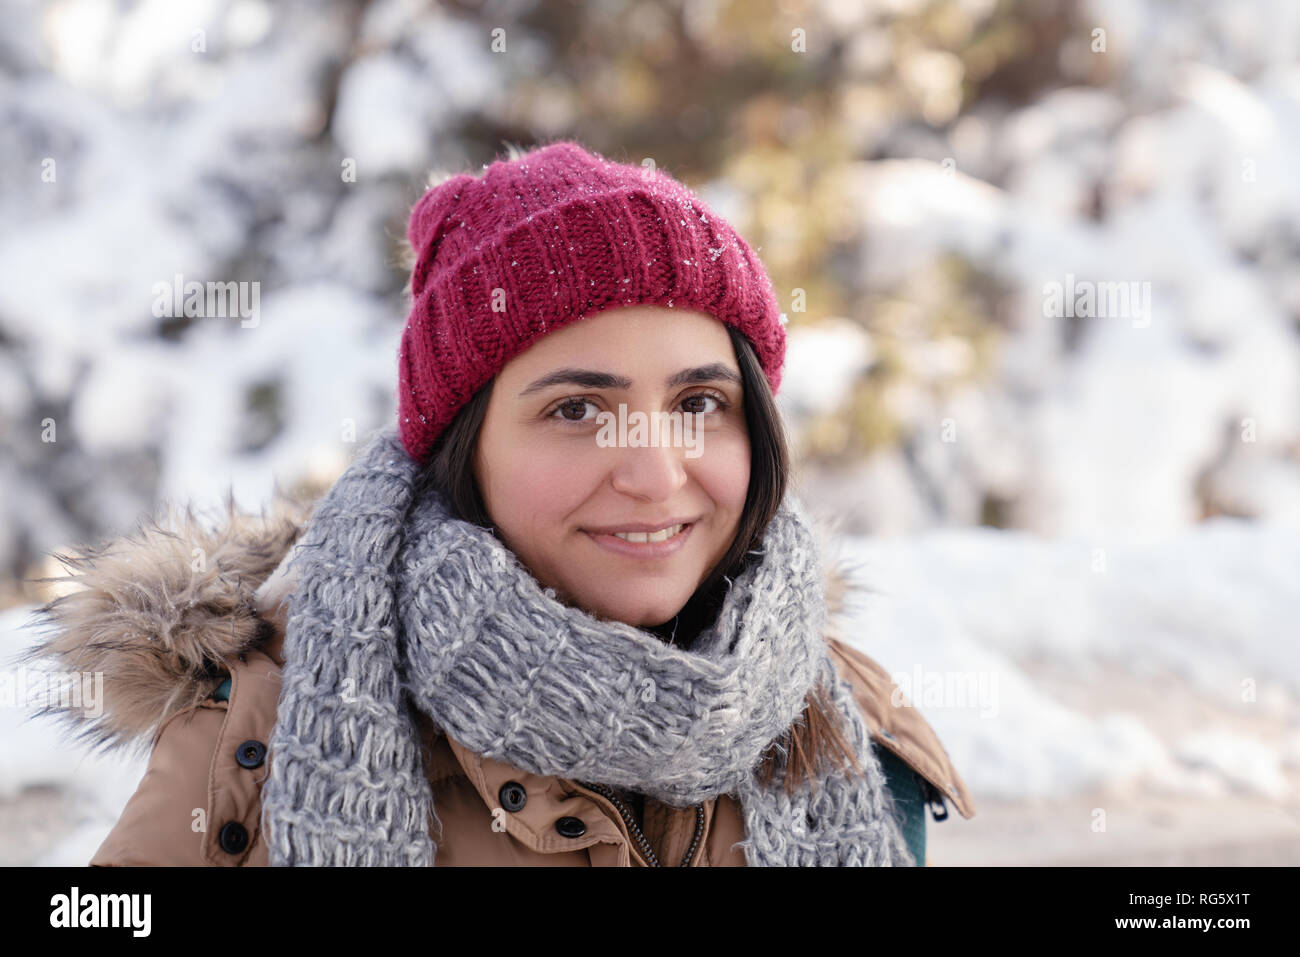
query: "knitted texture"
542, 241
400, 607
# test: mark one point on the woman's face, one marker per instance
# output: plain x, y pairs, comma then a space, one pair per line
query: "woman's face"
557, 479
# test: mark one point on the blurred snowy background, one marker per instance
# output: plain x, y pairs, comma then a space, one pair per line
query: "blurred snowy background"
1097, 518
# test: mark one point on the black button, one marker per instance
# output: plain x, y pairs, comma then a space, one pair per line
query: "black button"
251, 754
571, 827
233, 837
513, 796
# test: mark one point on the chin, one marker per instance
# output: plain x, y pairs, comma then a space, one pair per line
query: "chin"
637, 617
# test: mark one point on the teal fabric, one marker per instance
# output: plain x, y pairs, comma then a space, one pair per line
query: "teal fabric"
223, 691
908, 798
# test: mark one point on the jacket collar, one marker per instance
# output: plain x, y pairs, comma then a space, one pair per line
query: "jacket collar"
900, 728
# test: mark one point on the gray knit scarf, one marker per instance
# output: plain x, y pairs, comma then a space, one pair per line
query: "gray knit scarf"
401, 606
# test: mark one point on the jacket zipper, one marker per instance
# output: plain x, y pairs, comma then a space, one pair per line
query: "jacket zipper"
638, 836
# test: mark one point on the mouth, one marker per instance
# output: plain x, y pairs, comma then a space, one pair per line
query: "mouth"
644, 544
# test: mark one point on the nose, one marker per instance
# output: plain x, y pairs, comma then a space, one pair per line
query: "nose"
651, 472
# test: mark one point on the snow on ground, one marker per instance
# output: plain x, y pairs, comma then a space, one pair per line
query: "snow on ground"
1212, 607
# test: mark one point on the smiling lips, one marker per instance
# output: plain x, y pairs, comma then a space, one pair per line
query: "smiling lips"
653, 543
660, 536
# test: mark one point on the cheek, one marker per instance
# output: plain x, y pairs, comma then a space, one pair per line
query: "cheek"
723, 470
533, 486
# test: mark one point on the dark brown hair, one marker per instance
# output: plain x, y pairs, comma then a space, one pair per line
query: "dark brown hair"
815, 739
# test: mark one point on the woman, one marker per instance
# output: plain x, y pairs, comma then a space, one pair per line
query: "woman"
519, 628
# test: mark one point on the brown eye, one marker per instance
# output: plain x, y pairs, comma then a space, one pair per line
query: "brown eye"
704, 397
559, 410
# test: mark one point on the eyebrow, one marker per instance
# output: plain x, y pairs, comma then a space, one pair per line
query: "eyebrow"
592, 379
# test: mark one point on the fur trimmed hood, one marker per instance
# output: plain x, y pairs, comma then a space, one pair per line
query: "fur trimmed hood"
159, 611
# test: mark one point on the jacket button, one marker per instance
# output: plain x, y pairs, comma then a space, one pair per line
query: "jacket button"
571, 827
251, 754
513, 796
233, 837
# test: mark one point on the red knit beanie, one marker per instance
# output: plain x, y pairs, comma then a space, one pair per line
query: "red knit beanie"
541, 241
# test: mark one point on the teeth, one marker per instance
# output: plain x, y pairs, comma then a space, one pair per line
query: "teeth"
660, 536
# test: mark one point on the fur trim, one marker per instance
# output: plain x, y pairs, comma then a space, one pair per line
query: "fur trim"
843, 585
157, 612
